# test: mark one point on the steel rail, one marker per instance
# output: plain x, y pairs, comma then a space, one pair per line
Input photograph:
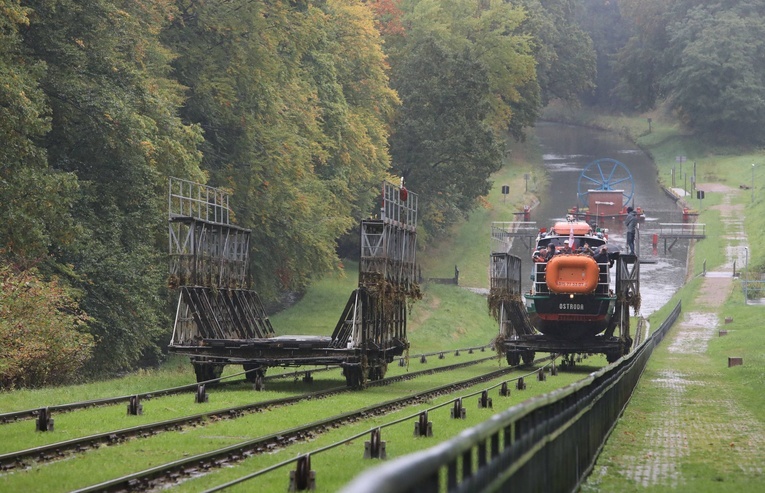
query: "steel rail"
356, 436
27, 414
57, 450
156, 476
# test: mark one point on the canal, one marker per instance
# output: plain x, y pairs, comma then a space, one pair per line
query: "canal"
567, 150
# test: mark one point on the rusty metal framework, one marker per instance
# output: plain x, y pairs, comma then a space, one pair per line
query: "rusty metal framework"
208, 254
627, 294
505, 301
374, 318
205, 248
218, 322
209, 263
207, 314
388, 244
187, 199
505, 273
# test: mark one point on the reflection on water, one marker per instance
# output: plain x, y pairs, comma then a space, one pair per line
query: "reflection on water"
567, 150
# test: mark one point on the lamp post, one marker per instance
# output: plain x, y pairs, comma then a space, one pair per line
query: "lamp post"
746, 267
752, 182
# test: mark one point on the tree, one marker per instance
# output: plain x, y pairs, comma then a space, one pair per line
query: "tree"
603, 22
295, 105
564, 52
35, 210
443, 145
465, 76
114, 126
640, 64
491, 34
716, 81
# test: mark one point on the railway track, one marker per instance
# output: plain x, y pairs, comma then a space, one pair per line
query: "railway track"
26, 414
222, 382
58, 450
172, 472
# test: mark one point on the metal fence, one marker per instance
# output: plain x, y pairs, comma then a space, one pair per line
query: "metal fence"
547, 444
754, 291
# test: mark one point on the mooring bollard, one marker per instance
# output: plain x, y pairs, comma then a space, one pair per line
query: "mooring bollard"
541, 375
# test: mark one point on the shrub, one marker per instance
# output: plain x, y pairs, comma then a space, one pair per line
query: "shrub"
43, 332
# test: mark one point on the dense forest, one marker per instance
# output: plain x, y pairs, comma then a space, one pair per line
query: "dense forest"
299, 108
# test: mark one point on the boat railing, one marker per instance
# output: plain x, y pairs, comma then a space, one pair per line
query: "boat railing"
539, 278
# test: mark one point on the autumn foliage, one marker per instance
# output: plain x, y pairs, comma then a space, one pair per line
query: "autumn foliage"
387, 17
42, 331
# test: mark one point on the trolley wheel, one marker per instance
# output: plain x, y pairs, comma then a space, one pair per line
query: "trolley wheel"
377, 372
353, 376
513, 358
207, 371
253, 371
528, 358
612, 356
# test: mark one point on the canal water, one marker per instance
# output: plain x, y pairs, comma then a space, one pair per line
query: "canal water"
567, 150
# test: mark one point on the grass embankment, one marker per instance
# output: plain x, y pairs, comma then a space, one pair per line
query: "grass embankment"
20, 435
135, 455
468, 245
694, 424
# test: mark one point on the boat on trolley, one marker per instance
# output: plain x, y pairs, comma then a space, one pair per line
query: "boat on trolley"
578, 303
571, 296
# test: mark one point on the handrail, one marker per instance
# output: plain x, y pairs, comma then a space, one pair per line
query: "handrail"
563, 430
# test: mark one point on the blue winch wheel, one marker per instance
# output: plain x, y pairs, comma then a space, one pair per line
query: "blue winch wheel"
605, 174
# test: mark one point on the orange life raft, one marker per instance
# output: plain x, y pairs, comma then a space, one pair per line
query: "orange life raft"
572, 274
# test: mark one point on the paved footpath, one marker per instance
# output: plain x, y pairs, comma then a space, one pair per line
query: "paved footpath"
683, 425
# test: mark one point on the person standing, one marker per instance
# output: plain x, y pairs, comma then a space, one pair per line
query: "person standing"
631, 223
550, 251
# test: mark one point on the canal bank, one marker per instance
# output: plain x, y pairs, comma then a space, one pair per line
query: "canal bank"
695, 423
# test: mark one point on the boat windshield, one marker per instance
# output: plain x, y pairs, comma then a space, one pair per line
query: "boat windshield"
579, 241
